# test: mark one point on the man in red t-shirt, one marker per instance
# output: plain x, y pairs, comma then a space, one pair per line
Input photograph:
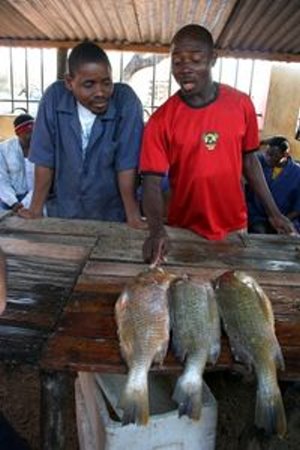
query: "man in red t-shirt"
204, 136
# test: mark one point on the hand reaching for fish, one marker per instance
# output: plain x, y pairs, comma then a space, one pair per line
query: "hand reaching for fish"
156, 248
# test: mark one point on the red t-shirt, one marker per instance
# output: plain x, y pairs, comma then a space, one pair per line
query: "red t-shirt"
202, 148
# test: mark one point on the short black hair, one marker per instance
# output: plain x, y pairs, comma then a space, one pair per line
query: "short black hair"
197, 32
22, 118
86, 52
277, 141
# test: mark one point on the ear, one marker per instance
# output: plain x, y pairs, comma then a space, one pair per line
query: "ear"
68, 81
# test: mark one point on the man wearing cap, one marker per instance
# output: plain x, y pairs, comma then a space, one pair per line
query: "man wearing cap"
16, 172
282, 174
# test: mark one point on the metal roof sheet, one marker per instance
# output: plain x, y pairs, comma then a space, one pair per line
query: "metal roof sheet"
265, 29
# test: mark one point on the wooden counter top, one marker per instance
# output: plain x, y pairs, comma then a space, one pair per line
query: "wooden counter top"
64, 277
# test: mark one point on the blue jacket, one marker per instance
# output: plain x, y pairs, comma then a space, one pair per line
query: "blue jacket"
87, 188
285, 189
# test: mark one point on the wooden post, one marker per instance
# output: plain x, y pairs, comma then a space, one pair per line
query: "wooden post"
54, 393
62, 54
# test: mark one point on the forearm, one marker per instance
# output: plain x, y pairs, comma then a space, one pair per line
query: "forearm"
255, 177
42, 182
153, 204
127, 184
293, 215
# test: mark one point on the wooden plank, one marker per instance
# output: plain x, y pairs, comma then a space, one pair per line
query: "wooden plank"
91, 355
28, 247
96, 275
205, 254
19, 344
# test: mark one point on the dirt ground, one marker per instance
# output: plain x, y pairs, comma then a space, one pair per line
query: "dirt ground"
20, 395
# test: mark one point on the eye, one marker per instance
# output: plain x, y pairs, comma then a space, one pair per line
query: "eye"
88, 84
176, 61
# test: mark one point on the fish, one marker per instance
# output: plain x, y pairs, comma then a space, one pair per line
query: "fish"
248, 319
195, 327
3, 287
143, 325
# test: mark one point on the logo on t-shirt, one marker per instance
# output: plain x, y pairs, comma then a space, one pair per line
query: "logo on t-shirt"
210, 139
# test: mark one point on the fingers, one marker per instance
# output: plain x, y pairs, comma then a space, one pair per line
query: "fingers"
155, 250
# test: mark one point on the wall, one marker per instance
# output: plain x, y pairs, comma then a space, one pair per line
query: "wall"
6, 126
283, 104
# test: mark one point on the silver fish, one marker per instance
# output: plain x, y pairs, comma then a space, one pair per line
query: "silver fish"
143, 326
195, 328
248, 319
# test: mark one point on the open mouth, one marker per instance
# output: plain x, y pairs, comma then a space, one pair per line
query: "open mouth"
187, 86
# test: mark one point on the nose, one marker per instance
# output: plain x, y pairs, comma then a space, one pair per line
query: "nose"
100, 91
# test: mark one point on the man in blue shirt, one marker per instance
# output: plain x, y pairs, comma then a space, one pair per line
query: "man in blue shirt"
283, 178
86, 144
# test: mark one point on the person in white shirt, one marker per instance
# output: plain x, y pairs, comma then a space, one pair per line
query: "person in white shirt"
16, 171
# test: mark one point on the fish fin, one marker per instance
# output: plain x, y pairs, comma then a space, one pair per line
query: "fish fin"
215, 341
264, 302
269, 413
135, 402
188, 396
161, 353
278, 358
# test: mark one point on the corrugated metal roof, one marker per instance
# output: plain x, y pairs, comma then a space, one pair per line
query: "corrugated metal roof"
264, 28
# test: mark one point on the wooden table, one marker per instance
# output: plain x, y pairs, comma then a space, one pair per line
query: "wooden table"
64, 278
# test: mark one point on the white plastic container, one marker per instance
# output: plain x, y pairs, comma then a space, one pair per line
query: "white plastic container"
100, 430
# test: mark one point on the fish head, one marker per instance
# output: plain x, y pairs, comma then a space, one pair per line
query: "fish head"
232, 278
156, 275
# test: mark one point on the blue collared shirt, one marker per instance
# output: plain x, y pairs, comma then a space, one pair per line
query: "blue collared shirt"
87, 188
285, 189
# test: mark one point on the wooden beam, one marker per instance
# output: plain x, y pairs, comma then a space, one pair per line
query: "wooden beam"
151, 48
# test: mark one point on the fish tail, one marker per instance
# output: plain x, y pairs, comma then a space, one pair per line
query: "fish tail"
135, 402
188, 395
269, 412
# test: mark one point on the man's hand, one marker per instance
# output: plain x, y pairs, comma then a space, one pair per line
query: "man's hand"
137, 222
282, 224
17, 206
28, 214
155, 248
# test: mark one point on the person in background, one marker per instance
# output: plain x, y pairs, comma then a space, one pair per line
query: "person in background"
86, 144
205, 137
282, 174
16, 171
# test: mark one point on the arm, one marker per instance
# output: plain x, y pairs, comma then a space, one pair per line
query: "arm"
157, 244
42, 182
254, 175
293, 215
126, 180
7, 192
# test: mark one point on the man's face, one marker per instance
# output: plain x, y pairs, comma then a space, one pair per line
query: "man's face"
275, 157
24, 139
92, 86
192, 62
